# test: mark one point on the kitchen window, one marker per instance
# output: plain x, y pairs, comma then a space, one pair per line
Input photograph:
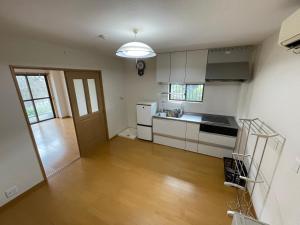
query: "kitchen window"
186, 92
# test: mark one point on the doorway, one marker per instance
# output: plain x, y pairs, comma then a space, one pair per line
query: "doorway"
52, 100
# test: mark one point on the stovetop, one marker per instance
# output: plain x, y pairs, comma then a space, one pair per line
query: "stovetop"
215, 119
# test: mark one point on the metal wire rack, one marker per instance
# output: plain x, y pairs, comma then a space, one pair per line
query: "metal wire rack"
248, 159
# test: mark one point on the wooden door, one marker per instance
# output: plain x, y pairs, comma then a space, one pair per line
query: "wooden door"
87, 103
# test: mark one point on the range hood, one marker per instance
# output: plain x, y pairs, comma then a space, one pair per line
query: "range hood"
228, 64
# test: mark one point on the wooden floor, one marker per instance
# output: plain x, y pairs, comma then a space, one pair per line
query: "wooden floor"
129, 182
57, 143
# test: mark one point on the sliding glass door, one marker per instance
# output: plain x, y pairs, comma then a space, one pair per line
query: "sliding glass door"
35, 93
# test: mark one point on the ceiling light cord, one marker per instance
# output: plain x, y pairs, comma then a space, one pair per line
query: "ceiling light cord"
135, 31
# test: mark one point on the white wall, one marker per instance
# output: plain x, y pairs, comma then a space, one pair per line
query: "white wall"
219, 98
139, 88
273, 96
60, 93
18, 162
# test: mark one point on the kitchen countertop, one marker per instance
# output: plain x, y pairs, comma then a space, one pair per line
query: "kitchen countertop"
198, 118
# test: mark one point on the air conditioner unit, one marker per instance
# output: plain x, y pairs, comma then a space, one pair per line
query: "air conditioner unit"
289, 36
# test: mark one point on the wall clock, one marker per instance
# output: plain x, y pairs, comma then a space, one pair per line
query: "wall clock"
141, 65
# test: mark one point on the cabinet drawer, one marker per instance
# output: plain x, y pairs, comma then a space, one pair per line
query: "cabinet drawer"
169, 127
217, 139
214, 151
176, 143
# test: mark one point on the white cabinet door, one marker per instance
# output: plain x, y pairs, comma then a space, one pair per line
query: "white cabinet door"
192, 131
178, 63
144, 115
171, 128
196, 66
192, 135
218, 139
163, 68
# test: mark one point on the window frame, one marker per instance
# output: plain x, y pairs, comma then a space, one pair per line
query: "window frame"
185, 93
33, 99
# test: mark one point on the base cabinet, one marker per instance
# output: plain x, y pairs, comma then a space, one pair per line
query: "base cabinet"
187, 136
172, 142
217, 139
191, 146
215, 151
171, 128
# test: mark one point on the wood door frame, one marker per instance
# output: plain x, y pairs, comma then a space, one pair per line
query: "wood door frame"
13, 73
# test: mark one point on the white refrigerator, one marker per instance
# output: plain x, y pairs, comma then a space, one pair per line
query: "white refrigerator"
145, 111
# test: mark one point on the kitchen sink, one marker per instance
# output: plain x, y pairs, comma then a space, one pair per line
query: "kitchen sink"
175, 116
171, 114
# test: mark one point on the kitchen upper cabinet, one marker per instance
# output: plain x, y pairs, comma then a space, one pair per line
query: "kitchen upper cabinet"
163, 67
196, 66
178, 63
182, 67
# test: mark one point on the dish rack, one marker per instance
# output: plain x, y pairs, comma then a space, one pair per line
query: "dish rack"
244, 170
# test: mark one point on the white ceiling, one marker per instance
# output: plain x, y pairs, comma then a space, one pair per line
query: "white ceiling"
163, 24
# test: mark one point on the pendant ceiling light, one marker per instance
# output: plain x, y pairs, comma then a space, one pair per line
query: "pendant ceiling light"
136, 50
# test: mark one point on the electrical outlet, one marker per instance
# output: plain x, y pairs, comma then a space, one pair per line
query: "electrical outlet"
9, 193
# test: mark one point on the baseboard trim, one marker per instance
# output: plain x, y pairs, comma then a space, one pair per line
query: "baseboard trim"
113, 137
21, 196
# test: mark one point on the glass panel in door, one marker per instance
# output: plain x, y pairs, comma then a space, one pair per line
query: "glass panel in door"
93, 95
80, 97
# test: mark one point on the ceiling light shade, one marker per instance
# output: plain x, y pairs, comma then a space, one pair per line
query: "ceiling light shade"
136, 50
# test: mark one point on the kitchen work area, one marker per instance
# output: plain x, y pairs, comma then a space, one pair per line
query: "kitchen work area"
213, 135
183, 78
